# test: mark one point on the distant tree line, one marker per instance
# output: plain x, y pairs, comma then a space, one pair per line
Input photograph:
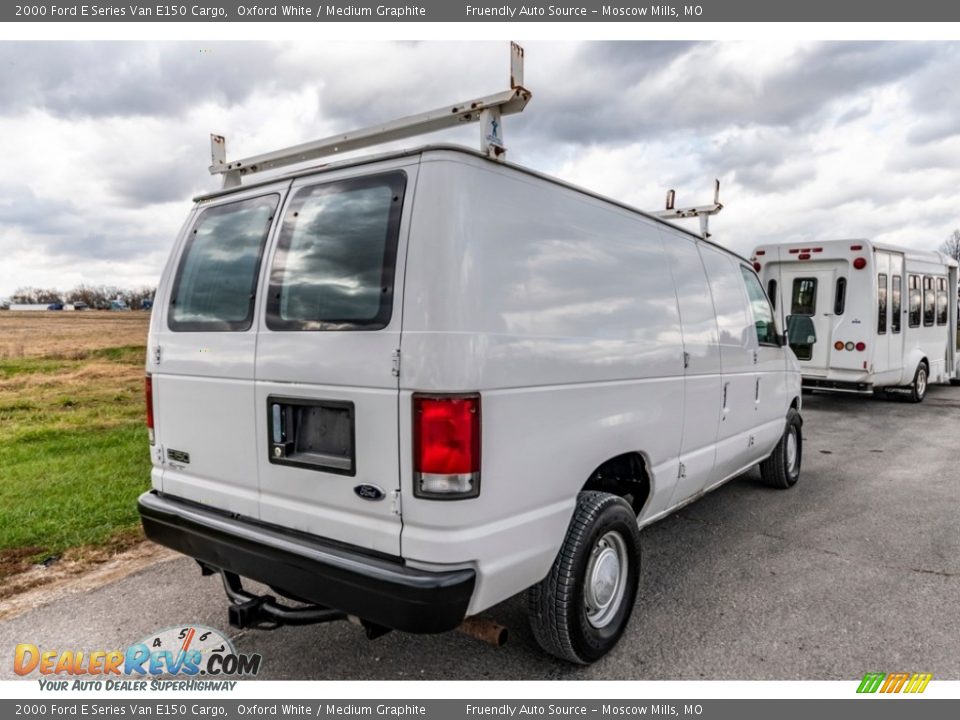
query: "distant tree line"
951, 246
94, 296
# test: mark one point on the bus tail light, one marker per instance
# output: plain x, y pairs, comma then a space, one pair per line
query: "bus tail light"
148, 393
446, 446
838, 345
861, 346
859, 263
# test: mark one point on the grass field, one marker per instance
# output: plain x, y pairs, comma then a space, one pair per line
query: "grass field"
73, 445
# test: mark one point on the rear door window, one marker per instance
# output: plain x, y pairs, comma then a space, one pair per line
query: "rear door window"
804, 298
882, 304
216, 281
896, 303
929, 301
336, 256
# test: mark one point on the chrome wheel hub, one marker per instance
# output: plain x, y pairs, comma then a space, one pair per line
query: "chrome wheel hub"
921, 382
792, 451
606, 579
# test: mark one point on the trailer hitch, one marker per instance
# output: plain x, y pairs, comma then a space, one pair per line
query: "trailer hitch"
264, 612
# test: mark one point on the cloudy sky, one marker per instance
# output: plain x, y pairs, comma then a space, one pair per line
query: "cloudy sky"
103, 144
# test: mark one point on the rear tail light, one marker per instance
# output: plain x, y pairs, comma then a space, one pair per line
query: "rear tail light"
148, 392
849, 346
756, 266
856, 247
838, 345
446, 446
859, 263
803, 256
861, 346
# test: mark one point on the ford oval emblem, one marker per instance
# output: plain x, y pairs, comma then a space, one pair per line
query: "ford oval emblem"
369, 492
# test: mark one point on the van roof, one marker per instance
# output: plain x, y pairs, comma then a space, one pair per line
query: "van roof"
451, 147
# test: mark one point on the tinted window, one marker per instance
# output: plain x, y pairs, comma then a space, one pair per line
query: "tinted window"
760, 307
882, 303
896, 303
840, 299
772, 293
914, 301
334, 266
804, 298
929, 301
942, 301
216, 280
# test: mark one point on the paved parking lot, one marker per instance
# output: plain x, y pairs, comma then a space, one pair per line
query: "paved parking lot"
855, 569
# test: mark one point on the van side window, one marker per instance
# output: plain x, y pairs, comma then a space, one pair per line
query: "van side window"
914, 319
840, 300
942, 308
216, 282
882, 304
772, 293
336, 256
760, 307
929, 301
896, 308
804, 298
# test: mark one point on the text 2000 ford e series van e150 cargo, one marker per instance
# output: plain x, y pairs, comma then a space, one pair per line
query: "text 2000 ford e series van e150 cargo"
403, 389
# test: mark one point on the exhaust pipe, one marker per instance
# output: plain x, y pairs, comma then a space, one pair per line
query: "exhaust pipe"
485, 630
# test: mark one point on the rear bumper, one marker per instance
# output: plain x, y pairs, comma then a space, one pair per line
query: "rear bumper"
378, 589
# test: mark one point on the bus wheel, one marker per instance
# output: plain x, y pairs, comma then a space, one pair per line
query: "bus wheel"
918, 390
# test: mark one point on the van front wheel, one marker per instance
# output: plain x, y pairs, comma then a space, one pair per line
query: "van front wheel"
782, 469
580, 610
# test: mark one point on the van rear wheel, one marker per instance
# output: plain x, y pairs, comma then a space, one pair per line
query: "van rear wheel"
580, 610
782, 469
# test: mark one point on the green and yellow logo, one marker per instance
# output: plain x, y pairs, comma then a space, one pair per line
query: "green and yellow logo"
894, 682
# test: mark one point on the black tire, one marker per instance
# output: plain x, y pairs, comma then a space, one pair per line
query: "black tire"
562, 622
921, 379
782, 469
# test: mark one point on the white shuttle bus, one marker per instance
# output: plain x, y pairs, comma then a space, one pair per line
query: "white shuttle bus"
885, 317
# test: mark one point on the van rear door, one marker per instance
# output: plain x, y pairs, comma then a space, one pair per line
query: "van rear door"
202, 354
327, 386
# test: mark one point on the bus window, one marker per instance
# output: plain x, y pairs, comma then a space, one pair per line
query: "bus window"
840, 300
895, 304
772, 293
929, 301
942, 301
882, 303
914, 301
804, 301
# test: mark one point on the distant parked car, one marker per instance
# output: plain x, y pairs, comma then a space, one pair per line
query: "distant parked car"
80, 306
55, 306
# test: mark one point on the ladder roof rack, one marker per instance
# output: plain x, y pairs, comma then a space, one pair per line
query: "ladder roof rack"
487, 110
698, 211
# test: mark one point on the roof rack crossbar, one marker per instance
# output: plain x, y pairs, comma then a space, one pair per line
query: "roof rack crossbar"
486, 110
698, 211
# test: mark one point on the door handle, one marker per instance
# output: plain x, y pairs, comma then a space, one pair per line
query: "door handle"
726, 385
756, 396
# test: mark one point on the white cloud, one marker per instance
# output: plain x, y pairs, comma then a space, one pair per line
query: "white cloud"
105, 143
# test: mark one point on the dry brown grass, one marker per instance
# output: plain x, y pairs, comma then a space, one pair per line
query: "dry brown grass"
68, 335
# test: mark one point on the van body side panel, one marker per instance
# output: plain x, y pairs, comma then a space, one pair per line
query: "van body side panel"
736, 441
703, 374
560, 310
349, 366
203, 383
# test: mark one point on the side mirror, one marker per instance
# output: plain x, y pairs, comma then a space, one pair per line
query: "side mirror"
800, 330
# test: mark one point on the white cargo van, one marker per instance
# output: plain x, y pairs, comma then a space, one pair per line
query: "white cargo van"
402, 389
885, 317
